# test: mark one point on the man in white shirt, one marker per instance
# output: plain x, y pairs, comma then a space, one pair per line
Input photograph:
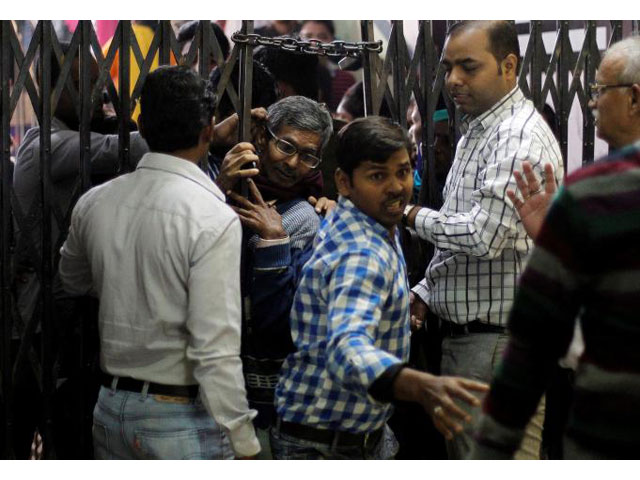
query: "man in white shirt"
160, 249
481, 245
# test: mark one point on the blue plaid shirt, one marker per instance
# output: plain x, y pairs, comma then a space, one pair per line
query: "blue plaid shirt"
349, 323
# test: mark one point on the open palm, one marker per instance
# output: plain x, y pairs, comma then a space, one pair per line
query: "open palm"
535, 201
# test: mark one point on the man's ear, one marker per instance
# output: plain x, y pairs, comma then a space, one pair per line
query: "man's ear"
510, 65
343, 183
140, 122
206, 134
261, 138
635, 99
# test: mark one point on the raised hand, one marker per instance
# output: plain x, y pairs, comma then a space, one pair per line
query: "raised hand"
535, 200
259, 216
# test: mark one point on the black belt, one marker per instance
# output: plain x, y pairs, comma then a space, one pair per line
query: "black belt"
335, 438
133, 385
454, 329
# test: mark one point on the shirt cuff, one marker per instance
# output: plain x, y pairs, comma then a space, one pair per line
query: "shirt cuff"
244, 440
382, 387
420, 289
272, 254
424, 222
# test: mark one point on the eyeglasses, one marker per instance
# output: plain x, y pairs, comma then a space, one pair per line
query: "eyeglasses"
596, 89
289, 149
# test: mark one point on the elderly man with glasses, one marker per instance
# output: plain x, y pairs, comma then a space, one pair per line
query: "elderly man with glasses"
280, 167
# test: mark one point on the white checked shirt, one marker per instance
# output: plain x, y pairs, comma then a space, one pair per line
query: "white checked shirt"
481, 245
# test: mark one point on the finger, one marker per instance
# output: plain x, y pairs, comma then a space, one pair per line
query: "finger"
240, 200
253, 188
241, 147
312, 200
412, 298
440, 416
514, 198
259, 113
240, 159
532, 180
247, 173
452, 410
550, 181
442, 428
523, 186
473, 385
464, 395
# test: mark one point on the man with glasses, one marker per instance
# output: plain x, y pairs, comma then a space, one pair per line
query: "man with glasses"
481, 245
287, 147
585, 263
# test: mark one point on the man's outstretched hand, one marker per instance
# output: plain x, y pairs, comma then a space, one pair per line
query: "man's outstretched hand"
437, 394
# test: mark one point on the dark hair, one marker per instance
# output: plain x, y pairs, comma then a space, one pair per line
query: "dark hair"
175, 106
502, 34
55, 66
296, 69
353, 100
187, 32
263, 90
327, 23
372, 138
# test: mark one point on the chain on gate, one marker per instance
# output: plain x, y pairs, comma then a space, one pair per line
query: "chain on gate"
337, 48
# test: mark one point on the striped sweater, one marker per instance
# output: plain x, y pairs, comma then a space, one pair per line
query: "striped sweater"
587, 262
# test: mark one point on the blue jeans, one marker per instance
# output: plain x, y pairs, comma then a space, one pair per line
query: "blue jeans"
130, 425
288, 447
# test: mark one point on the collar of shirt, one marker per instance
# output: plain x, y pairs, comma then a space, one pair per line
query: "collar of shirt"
487, 119
363, 223
179, 166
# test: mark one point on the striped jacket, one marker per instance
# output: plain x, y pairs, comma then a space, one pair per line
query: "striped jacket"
587, 262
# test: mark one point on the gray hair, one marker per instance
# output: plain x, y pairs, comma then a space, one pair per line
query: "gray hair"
629, 50
301, 113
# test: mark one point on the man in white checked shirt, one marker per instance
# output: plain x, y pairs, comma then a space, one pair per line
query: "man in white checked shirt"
481, 245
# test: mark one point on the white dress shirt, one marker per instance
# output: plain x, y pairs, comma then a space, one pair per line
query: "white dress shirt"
481, 245
161, 250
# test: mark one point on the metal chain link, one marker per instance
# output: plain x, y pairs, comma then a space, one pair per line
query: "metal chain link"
337, 48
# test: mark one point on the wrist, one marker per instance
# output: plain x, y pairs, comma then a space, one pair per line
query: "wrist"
273, 234
409, 215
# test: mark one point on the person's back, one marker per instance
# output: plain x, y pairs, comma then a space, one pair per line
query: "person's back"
144, 231
150, 245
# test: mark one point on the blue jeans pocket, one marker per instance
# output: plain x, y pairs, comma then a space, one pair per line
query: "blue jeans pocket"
101, 443
177, 445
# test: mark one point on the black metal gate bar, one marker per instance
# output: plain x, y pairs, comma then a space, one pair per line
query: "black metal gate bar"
369, 64
245, 83
6, 387
427, 93
124, 85
204, 58
47, 261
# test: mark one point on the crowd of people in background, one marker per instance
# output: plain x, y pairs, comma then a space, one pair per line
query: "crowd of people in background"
278, 324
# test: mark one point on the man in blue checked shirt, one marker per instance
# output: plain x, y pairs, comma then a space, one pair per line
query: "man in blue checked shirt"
350, 317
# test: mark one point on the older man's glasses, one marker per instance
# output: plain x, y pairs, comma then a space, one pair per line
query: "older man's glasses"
597, 89
289, 149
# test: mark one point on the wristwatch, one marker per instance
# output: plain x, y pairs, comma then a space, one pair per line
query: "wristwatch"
405, 214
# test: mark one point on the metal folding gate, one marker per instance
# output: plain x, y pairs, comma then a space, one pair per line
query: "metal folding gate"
557, 76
